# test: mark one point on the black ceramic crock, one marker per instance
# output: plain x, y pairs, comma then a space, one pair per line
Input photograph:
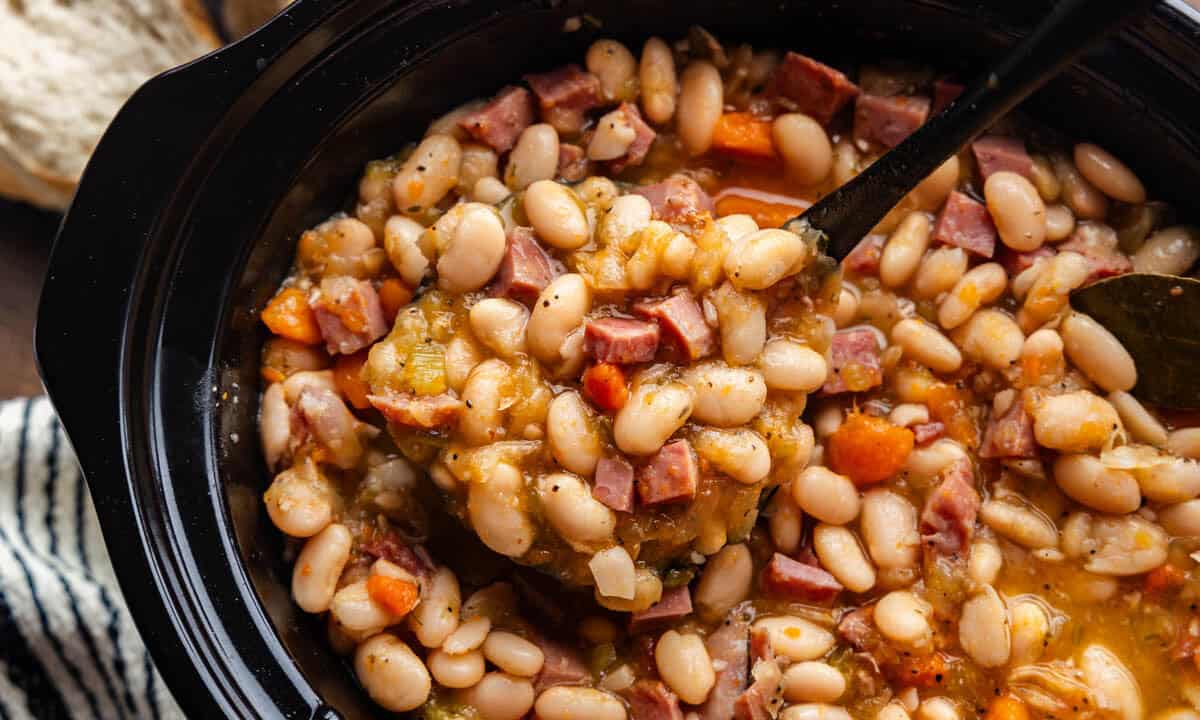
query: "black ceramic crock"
187, 214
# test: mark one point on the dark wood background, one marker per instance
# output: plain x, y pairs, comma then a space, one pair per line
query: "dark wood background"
25, 237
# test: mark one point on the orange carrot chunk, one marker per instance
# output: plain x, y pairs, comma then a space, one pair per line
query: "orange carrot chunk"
393, 295
921, 670
288, 315
1164, 578
1007, 707
604, 384
868, 449
745, 135
347, 374
398, 595
766, 214
949, 405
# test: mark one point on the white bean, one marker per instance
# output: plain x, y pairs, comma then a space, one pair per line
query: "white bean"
1030, 628
456, 671
556, 214
847, 307
685, 666
1170, 251
813, 681
614, 134
1090, 482
904, 249
1115, 688
470, 633
499, 324
903, 618
659, 85
1124, 545
436, 616
804, 146
737, 227
1098, 353
357, 612
788, 365
1023, 524
513, 654
889, 527
1182, 519
489, 190
497, 513
980, 286
1060, 222
1172, 481
939, 271
584, 522
925, 344
614, 573
700, 103
1042, 355
462, 355
647, 591
1018, 209
814, 711
480, 423
428, 174
784, 520
725, 396
500, 696
571, 434
1110, 176
577, 703
741, 453
1184, 442
796, 638
841, 553
1081, 196
401, 240
651, 415
742, 319
535, 157
298, 501
826, 495
983, 629
559, 309
616, 69
938, 708
474, 252
1074, 422
628, 215
1060, 275
984, 562
992, 338
725, 581
318, 567
892, 711
764, 258
927, 462
391, 673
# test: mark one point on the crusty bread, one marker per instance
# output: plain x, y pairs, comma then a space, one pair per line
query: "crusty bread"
65, 70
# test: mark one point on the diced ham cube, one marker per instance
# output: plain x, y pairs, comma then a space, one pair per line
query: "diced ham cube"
1017, 262
349, 314
651, 700
857, 628
613, 485
681, 318
675, 603
678, 199
1010, 435
425, 412
784, 577
670, 476
526, 270
1098, 243
564, 96
948, 518
810, 87
854, 365
925, 433
965, 223
620, 340
572, 162
889, 120
325, 417
994, 153
944, 93
642, 140
390, 547
728, 646
761, 701
562, 665
864, 258
499, 123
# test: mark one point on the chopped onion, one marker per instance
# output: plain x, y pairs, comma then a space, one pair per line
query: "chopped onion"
614, 573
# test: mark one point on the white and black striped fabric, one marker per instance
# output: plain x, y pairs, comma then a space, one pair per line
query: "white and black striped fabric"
68, 648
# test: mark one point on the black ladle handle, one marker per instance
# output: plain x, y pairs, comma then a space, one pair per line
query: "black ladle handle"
848, 213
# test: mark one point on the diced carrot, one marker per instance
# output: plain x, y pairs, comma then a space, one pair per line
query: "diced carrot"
948, 405
1007, 707
745, 135
1164, 578
766, 214
924, 671
288, 315
868, 449
347, 374
272, 375
398, 595
393, 295
604, 384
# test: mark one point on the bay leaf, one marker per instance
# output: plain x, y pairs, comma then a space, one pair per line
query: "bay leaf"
1157, 319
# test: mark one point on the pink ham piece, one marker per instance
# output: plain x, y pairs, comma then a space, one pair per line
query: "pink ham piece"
620, 340
572, 162
858, 348
391, 548
948, 519
965, 223
675, 603
330, 422
425, 412
613, 485
994, 153
729, 648
499, 123
889, 120
762, 700
810, 87
925, 433
670, 476
1017, 262
786, 578
651, 700
679, 316
525, 271
864, 258
944, 93
643, 138
1097, 243
678, 199
857, 628
349, 314
1010, 435
564, 96
562, 666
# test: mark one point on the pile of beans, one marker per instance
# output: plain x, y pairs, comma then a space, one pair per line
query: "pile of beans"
563, 422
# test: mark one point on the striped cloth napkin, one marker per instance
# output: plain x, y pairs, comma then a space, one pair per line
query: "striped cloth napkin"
68, 648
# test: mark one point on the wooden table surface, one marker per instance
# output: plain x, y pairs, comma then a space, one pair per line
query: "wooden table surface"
25, 237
